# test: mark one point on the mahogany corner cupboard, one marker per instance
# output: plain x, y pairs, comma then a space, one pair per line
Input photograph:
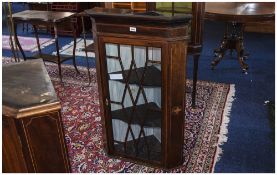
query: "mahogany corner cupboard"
141, 65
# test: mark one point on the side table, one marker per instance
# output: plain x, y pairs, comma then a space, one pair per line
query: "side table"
47, 18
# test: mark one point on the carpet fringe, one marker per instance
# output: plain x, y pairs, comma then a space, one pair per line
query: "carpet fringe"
222, 137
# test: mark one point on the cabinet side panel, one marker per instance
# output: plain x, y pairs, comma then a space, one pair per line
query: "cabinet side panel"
45, 141
13, 159
176, 98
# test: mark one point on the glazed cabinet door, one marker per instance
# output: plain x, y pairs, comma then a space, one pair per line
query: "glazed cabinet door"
133, 97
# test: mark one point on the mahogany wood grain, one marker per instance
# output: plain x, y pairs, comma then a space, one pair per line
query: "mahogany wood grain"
240, 11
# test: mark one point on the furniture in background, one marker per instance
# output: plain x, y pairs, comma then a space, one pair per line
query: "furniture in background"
140, 82
33, 137
134, 6
47, 18
41, 6
75, 7
196, 9
236, 14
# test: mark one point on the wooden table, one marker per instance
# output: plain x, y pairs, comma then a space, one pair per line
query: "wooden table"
47, 18
33, 137
236, 14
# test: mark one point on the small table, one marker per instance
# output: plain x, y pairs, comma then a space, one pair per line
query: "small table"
236, 14
33, 135
47, 18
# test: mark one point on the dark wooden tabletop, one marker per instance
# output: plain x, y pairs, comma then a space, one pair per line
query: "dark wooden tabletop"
240, 11
41, 16
26, 85
138, 17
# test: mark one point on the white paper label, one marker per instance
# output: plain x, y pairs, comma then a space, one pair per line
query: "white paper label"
133, 29
116, 77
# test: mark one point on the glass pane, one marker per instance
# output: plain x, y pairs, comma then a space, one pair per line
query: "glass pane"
174, 8
135, 97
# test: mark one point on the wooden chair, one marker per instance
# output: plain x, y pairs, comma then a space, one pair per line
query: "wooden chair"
197, 9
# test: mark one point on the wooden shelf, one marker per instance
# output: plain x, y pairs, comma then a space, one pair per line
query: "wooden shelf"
152, 76
154, 148
150, 112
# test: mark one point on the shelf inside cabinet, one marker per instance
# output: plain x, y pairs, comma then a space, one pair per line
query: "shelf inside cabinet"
152, 76
153, 143
149, 112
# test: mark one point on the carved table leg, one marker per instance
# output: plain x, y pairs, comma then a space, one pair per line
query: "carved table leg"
241, 56
232, 40
219, 53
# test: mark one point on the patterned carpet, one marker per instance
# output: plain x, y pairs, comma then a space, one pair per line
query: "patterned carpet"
27, 43
205, 126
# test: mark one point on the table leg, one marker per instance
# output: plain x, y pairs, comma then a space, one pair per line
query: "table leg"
17, 41
219, 53
195, 77
58, 50
232, 40
241, 56
86, 52
37, 39
74, 46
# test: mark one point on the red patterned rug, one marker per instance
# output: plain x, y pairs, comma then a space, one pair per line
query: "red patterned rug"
205, 129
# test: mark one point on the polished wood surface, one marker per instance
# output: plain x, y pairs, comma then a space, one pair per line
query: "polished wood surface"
137, 17
41, 16
240, 11
33, 137
171, 35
